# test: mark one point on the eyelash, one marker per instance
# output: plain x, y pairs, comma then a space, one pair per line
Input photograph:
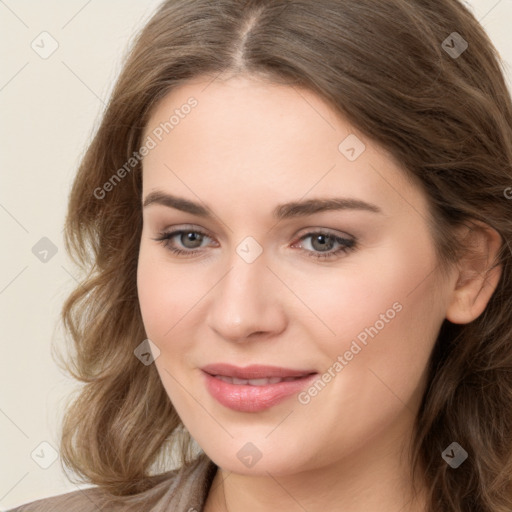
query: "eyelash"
347, 245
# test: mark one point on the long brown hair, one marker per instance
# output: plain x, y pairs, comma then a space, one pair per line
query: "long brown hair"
441, 109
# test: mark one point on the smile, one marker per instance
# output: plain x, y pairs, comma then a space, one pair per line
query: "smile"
254, 388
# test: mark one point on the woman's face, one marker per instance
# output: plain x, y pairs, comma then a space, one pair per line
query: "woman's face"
304, 248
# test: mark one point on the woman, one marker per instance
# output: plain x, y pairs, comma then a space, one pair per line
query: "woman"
295, 223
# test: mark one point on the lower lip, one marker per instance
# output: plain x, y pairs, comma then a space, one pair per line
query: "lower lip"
247, 398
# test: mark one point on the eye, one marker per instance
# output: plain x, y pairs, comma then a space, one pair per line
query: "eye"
191, 239
322, 243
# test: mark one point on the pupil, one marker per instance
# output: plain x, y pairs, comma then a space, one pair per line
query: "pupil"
323, 239
193, 237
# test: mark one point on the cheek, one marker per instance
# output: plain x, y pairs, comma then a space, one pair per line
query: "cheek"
149, 289
385, 320
379, 291
166, 295
383, 314
166, 292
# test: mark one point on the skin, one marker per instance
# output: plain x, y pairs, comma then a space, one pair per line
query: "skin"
246, 147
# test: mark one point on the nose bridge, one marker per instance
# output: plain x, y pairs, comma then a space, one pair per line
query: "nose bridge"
246, 299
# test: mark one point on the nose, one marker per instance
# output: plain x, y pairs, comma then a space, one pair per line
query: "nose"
247, 302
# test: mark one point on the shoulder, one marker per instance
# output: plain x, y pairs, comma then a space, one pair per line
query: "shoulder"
83, 499
187, 485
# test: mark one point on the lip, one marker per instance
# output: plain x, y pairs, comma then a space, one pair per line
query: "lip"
250, 398
253, 371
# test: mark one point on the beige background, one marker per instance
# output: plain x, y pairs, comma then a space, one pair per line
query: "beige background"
49, 109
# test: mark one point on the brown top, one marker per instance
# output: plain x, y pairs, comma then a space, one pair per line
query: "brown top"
180, 490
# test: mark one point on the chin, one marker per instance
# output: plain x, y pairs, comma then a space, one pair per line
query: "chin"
256, 457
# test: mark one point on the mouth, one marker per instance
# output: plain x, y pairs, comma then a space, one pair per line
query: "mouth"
254, 388
254, 372
255, 382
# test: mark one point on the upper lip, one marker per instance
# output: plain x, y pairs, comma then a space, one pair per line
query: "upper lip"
254, 371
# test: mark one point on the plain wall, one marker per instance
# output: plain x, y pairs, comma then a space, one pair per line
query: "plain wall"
49, 110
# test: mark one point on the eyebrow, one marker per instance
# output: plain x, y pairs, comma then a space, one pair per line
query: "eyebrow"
280, 212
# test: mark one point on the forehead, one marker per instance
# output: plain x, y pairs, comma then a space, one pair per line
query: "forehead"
276, 141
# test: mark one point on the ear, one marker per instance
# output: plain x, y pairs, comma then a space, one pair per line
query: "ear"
478, 274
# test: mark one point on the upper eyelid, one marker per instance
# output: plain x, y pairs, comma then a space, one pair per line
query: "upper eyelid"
303, 231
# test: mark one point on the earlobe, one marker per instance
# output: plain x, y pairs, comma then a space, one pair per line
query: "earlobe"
478, 274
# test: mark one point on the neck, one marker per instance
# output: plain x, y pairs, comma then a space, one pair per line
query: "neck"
374, 477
